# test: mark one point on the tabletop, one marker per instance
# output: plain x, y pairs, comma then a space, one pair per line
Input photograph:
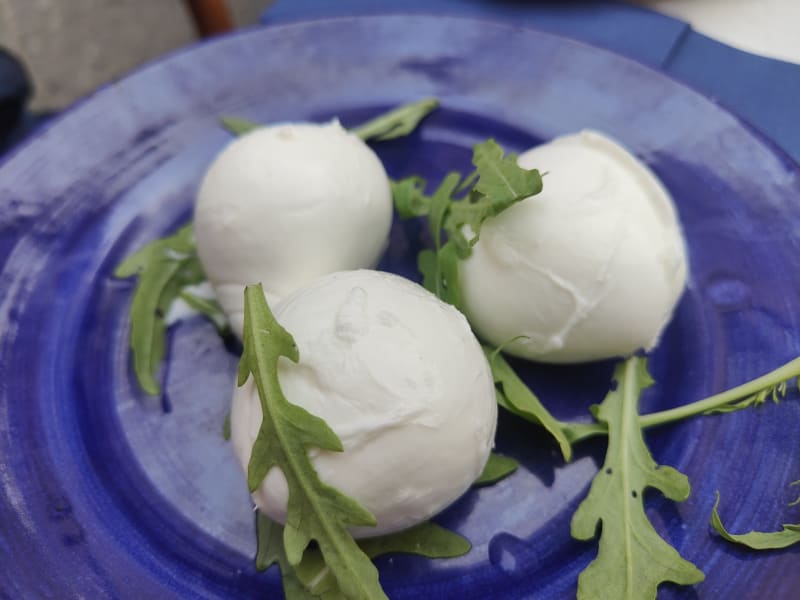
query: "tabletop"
765, 27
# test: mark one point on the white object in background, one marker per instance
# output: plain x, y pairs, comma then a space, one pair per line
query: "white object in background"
767, 27
286, 204
400, 378
590, 268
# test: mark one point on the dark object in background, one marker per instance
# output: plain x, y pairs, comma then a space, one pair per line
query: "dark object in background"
16, 122
15, 90
210, 17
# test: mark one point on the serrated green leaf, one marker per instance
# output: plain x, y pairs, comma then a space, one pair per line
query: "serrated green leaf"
632, 560
439, 267
315, 511
428, 266
409, 197
497, 467
312, 578
426, 539
516, 397
498, 183
178, 245
440, 202
501, 178
757, 540
448, 269
165, 267
501, 183
269, 551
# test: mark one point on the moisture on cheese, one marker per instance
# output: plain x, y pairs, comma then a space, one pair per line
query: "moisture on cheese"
286, 204
590, 268
401, 379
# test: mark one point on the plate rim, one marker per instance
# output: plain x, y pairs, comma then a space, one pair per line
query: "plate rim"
230, 37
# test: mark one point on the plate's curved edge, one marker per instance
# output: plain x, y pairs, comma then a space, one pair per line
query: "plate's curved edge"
231, 37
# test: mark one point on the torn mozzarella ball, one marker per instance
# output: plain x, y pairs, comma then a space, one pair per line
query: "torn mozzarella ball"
400, 378
590, 268
284, 205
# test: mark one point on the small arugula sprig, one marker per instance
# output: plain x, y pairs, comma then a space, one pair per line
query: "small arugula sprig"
498, 467
313, 579
497, 183
167, 267
518, 399
315, 511
632, 559
396, 123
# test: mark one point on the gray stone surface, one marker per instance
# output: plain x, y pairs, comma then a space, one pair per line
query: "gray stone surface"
73, 46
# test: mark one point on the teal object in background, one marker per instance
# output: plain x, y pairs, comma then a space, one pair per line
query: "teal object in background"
762, 91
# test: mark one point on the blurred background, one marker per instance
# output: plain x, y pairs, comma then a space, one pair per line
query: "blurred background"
70, 47
53, 52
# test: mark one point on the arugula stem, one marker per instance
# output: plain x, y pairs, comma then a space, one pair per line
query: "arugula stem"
577, 432
787, 371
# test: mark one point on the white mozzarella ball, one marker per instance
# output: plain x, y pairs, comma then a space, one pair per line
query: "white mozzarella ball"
590, 268
400, 378
286, 204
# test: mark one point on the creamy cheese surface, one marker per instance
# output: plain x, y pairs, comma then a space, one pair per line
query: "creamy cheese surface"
590, 268
400, 377
286, 204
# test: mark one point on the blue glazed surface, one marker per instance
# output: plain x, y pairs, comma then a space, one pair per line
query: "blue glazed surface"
105, 496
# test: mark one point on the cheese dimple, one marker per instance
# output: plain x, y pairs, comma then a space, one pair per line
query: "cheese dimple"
590, 268
401, 379
286, 204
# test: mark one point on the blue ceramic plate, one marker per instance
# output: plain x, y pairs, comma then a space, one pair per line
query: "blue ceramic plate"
107, 493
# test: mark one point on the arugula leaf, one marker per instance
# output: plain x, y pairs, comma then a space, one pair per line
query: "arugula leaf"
313, 579
632, 559
396, 123
797, 500
443, 266
426, 539
500, 184
239, 127
757, 540
226, 427
501, 179
497, 183
409, 197
269, 551
165, 267
497, 467
315, 511
517, 398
